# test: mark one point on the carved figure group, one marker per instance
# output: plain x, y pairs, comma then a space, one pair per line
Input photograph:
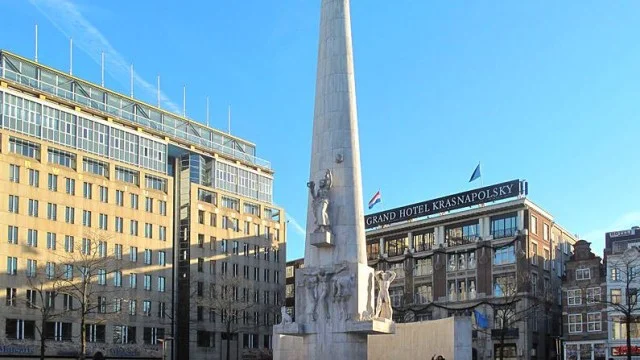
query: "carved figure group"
321, 202
318, 289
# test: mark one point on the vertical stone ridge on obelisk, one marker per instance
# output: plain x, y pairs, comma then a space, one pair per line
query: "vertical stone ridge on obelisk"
335, 211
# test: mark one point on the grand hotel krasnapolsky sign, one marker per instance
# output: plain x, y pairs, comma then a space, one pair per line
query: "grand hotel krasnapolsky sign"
482, 195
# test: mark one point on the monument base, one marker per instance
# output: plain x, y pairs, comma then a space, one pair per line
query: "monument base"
321, 239
450, 338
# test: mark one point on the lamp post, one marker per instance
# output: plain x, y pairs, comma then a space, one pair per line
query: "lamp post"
164, 346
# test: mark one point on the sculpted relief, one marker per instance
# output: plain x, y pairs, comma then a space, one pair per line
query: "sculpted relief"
319, 287
383, 303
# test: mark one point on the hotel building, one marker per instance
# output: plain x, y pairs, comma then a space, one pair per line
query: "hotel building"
169, 207
502, 258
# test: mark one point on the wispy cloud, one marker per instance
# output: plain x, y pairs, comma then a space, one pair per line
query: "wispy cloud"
296, 226
67, 18
625, 221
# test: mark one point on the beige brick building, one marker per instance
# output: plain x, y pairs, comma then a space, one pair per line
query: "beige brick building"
153, 207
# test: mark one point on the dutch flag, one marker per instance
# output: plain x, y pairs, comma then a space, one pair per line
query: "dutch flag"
375, 199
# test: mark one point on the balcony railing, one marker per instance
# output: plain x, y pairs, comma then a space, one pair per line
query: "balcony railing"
503, 233
424, 247
373, 256
461, 240
395, 251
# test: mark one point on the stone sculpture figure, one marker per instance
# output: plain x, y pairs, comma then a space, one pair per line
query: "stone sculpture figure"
383, 306
342, 290
321, 201
286, 318
462, 262
452, 262
472, 260
318, 286
472, 290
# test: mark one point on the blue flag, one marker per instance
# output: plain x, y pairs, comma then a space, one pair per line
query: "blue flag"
476, 173
481, 321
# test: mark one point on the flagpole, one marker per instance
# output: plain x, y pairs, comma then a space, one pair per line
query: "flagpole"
481, 179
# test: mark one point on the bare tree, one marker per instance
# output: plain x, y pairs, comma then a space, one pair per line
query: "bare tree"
518, 298
226, 298
84, 273
43, 291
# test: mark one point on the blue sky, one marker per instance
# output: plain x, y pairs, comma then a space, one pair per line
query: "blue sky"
538, 90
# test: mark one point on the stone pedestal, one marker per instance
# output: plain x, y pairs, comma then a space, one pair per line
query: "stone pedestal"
320, 239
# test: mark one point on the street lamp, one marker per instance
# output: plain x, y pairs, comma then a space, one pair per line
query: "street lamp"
164, 346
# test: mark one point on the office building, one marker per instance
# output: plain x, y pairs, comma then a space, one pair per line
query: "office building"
171, 207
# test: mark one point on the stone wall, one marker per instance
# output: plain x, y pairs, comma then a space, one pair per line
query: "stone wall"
450, 337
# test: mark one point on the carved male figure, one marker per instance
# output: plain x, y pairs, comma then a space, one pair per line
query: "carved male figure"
342, 290
383, 306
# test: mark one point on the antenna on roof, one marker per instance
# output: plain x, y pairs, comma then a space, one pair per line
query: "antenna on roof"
158, 92
184, 100
102, 69
70, 56
36, 57
207, 117
229, 120
131, 80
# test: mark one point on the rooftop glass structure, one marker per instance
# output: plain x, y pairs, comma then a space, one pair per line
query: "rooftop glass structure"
19, 70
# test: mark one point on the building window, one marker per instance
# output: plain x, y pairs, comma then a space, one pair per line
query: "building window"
126, 175
395, 247
616, 296
615, 274
102, 221
594, 322
593, 295
52, 211
575, 323
505, 285
69, 215
161, 283
423, 267
34, 178
147, 282
230, 203
12, 234
134, 201
119, 225
461, 234
162, 205
34, 206
14, 204
148, 231
86, 218
95, 167
62, 158
32, 268
11, 297
423, 294
505, 255
119, 197
70, 186
32, 238
16, 329
51, 241
204, 339
423, 241
162, 258
68, 243
534, 225
95, 333
155, 183
133, 253
574, 297
123, 334
504, 225
546, 258
545, 232
14, 173
12, 265
133, 227
87, 190
24, 148
117, 251
117, 278
583, 274
534, 253
57, 331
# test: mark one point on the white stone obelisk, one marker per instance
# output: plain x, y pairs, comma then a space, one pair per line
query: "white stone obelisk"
334, 290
